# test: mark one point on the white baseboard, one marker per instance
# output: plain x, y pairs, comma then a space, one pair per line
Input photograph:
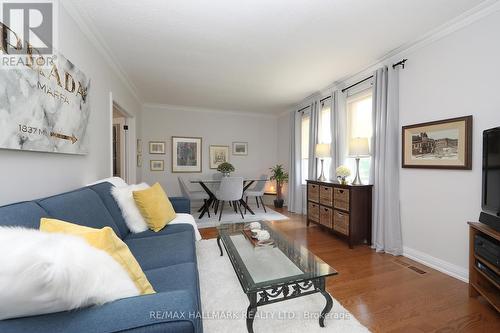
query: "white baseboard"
445, 267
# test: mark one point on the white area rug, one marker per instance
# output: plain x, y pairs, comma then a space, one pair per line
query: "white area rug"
224, 303
229, 216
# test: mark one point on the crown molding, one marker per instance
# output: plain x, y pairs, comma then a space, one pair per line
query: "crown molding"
84, 23
465, 19
182, 108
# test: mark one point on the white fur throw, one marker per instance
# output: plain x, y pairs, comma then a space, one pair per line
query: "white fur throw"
125, 200
50, 272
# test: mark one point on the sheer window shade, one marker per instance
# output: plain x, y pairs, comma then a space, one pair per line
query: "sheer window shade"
325, 133
360, 125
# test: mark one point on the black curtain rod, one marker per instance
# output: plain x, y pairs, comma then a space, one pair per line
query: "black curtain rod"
355, 84
400, 63
324, 99
307, 107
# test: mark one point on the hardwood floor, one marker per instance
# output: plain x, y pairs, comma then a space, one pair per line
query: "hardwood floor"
383, 293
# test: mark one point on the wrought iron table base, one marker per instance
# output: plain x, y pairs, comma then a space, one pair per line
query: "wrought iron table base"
285, 292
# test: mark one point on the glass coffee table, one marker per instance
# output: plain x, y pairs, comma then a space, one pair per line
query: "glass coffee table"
274, 272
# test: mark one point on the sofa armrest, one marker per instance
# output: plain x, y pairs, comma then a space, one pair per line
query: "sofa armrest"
181, 204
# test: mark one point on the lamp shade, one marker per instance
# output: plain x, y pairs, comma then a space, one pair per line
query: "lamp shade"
359, 147
322, 150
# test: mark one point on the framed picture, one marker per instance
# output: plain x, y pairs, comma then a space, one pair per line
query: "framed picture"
218, 155
156, 165
444, 144
186, 154
139, 146
139, 161
157, 147
240, 148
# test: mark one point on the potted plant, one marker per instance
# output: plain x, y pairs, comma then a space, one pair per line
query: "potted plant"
280, 176
226, 168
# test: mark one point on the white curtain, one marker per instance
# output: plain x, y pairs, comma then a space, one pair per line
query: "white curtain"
386, 231
339, 131
313, 140
294, 181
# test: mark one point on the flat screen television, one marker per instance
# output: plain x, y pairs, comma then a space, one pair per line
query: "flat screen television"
491, 178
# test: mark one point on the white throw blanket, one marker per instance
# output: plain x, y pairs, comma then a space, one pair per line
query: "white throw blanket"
43, 272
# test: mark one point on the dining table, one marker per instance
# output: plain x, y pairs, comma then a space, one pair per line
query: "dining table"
205, 184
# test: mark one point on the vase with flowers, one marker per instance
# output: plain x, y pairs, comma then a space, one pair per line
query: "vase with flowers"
225, 168
342, 173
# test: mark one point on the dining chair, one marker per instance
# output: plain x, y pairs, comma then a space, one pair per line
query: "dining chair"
230, 190
194, 195
258, 192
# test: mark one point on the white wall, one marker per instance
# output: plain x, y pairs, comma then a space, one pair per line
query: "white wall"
160, 123
29, 175
454, 76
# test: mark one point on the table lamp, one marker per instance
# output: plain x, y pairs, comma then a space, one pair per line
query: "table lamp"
322, 151
358, 147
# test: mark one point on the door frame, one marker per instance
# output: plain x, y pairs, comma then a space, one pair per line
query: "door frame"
130, 138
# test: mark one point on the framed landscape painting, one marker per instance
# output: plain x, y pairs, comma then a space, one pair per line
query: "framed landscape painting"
218, 155
156, 165
240, 148
156, 147
444, 144
186, 154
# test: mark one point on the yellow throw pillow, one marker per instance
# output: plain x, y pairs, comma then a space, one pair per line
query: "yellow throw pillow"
155, 207
104, 239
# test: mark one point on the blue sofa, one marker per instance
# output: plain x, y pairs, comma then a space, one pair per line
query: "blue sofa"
168, 259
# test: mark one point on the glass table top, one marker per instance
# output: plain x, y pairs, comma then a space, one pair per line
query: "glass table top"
216, 181
262, 267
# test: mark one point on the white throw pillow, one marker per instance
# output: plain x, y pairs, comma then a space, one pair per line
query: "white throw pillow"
50, 272
125, 200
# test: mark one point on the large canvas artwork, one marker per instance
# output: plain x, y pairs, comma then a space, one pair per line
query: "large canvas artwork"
444, 144
44, 108
186, 154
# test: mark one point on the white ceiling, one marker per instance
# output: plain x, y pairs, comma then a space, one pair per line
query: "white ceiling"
254, 55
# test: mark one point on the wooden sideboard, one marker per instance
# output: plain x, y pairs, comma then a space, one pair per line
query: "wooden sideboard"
346, 210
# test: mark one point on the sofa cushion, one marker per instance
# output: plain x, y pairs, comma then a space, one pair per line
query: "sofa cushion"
168, 230
23, 214
149, 313
82, 206
165, 250
174, 277
104, 192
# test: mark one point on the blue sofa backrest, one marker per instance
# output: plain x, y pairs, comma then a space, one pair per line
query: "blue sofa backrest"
104, 192
82, 206
23, 214
91, 206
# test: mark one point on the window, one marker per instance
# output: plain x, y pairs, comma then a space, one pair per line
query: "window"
360, 125
306, 117
325, 133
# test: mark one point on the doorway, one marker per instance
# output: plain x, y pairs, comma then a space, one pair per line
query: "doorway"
119, 143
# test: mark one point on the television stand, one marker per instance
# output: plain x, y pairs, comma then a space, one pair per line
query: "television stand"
480, 283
